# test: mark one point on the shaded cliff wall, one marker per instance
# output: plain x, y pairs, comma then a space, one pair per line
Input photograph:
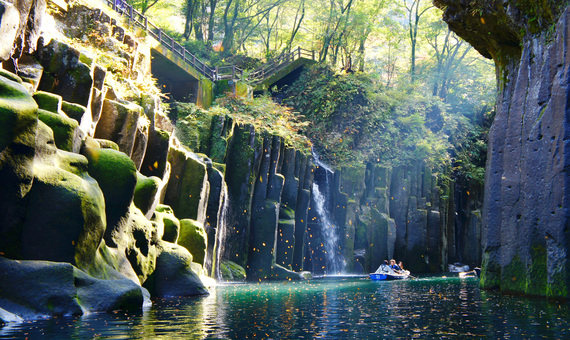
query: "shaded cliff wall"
405, 213
525, 216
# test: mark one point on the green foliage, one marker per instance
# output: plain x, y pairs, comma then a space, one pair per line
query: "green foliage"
265, 114
193, 124
354, 119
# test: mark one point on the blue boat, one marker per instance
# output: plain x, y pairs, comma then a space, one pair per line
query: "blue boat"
386, 276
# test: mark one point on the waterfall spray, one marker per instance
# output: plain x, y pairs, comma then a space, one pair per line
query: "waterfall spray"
321, 201
219, 245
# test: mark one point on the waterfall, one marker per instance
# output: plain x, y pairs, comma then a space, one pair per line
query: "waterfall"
219, 245
322, 202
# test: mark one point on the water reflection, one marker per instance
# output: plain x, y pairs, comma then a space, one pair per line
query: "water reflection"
326, 309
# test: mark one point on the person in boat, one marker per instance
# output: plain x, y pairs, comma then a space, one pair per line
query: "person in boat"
395, 267
401, 265
384, 268
476, 272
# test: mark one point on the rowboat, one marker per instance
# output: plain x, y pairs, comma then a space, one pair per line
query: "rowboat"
385, 276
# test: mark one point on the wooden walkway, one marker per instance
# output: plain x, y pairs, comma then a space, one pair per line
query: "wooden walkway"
226, 72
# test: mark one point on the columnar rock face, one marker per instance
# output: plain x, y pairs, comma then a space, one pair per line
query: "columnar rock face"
240, 177
71, 239
188, 188
525, 237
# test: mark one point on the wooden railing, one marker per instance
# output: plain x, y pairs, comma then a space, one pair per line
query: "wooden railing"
138, 19
214, 74
280, 62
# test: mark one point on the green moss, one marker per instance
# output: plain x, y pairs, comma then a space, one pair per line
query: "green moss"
186, 202
514, 276
490, 274
18, 112
193, 237
145, 191
48, 101
232, 271
10, 76
286, 213
219, 166
538, 13
73, 111
63, 128
536, 285
193, 126
557, 285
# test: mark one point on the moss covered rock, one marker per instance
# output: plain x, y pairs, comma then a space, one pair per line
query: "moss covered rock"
138, 237
64, 128
73, 111
193, 237
117, 176
48, 101
168, 225
64, 73
18, 125
65, 207
188, 188
232, 271
175, 275
146, 191
40, 288
119, 123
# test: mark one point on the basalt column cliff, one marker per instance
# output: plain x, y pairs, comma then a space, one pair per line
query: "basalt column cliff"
525, 218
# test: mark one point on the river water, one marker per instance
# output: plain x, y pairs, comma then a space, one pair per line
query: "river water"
331, 308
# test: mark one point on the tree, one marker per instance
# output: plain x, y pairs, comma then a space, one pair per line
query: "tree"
142, 5
415, 11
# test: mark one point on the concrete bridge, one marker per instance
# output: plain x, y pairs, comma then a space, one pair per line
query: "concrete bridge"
187, 78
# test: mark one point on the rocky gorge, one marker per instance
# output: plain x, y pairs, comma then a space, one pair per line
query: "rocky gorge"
103, 207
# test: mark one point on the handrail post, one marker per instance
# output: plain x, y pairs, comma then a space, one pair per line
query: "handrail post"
313, 54
159, 35
145, 23
216, 72
233, 72
131, 12
172, 44
299, 51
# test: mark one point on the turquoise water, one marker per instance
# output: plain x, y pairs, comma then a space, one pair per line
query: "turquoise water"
332, 308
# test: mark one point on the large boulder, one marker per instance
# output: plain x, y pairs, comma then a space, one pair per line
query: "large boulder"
18, 125
42, 288
64, 129
64, 73
188, 187
116, 175
175, 275
9, 25
138, 238
168, 226
193, 237
147, 194
119, 123
65, 207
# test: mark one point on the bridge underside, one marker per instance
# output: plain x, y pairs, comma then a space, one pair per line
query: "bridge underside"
284, 77
179, 81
